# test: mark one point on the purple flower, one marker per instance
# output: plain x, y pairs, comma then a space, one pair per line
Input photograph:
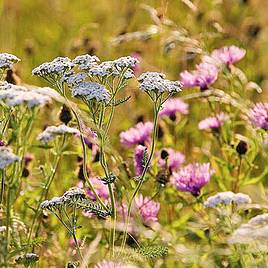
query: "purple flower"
204, 76
136, 69
2, 143
100, 188
112, 264
173, 161
228, 55
139, 134
213, 122
139, 156
173, 106
258, 115
148, 209
192, 178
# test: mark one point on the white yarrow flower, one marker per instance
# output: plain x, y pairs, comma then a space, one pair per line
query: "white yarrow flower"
7, 60
85, 62
7, 157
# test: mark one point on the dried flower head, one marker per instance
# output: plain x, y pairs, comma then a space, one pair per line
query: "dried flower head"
91, 91
52, 131
258, 115
192, 177
7, 157
139, 134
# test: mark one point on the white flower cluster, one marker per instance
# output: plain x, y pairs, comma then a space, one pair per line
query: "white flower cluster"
7, 60
14, 95
91, 91
256, 230
86, 62
72, 78
227, 198
7, 157
3, 229
50, 132
57, 67
153, 81
72, 195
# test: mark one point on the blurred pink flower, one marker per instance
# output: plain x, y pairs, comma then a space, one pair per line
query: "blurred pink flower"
213, 122
137, 68
173, 161
139, 154
228, 55
192, 177
204, 76
112, 264
173, 106
139, 134
258, 115
148, 209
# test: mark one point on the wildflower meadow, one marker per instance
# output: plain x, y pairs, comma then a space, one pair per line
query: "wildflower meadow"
134, 133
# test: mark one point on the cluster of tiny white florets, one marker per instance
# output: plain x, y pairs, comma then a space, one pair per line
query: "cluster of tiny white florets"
57, 67
7, 60
72, 195
86, 62
227, 198
7, 157
73, 79
153, 81
14, 95
52, 131
256, 230
91, 91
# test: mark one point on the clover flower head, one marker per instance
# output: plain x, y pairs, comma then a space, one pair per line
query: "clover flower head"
91, 91
173, 106
192, 177
204, 76
7, 60
227, 198
14, 95
258, 115
139, 134
74, 79
139, 156
52, 131
173, 161
100, 188
228, 55
148, 208
153, 81
56, 67
85, 62
7, 157
213, 122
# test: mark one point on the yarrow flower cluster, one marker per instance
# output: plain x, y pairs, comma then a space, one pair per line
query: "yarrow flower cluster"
72, 195
14, 95
52, 131
139, 159
153, 81
172, 161
7, 157
172, 107
258, 115
91, 91
7, 60
192, 178
86, 62
227, 198
213, 123
27, 259
139, 134
148, 209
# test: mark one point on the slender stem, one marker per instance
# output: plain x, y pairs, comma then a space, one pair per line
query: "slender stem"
2, 187
156, 112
